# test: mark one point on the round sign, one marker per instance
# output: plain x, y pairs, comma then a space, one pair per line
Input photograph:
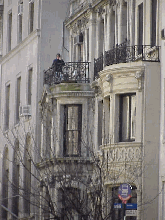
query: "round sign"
124, 192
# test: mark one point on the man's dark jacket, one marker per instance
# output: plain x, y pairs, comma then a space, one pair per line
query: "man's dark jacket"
57, 65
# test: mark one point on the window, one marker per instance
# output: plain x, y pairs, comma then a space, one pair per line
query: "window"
153, 22
72, 130
5, 177
140, 28
20, 14
7, 113
30, 86
18, 98
127, 117
9, 30
27, 175
100, 122
31, 15
15, 180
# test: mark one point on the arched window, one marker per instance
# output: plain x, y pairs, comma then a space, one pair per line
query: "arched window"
5, 176
15, 179
27, 175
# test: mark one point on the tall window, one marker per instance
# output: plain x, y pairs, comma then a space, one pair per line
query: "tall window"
9, 30
30, 86
140, 28
31, 15
153, 22
18, 98
7, 113
72, 130
27, 175
100, 122
15, 180
5, 177
20, 15
127, 117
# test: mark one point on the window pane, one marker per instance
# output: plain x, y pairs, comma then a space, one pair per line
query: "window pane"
72, 118
125, 118
133, 117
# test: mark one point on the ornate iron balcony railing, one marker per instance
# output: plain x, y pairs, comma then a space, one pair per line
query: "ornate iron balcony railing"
76, 72
123, 53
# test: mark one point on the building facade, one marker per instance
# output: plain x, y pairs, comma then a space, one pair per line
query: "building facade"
104, 103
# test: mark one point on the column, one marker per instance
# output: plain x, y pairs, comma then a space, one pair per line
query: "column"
92, 44
132, 22
116, 24
120, 11
110, 34
105, 33
70, 47
85, 45
98, 30
122, 22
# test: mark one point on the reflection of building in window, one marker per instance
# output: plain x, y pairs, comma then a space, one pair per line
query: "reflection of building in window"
7, 115
20, 15
100, 122
5, 177
72, 130
15, 180
9, 30
27, 175
31, 16
127, 117
18, 98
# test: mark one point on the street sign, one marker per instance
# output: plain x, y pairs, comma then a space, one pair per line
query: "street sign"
131, 206
124, 192
131, 212
118, 205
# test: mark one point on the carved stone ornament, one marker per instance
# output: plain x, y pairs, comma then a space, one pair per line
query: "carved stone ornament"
101, 10
80, 25
138, 76
109, 77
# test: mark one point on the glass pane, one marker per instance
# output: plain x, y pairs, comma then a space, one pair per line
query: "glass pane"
133, 117
125, 118
72, 142
72, 118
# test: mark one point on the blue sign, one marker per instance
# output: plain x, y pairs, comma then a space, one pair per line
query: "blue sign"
131, 206
118, 205
124, 192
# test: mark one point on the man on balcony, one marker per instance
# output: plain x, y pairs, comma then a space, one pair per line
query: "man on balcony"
57, 67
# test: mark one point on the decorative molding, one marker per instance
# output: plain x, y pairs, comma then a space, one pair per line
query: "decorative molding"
139, 76
73, 94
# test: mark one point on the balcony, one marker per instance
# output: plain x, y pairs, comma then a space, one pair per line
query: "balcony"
123, 54
70, 72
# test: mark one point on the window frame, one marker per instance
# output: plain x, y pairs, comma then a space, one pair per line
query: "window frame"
129, 139
65, 130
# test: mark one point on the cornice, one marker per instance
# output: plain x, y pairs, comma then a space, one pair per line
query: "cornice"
20, 46
73, 94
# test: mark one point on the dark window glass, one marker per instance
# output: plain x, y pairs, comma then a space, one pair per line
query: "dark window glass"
140, 28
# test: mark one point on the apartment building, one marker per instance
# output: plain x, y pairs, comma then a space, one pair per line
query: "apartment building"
104, 101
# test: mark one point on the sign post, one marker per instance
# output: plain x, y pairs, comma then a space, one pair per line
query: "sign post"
124, 194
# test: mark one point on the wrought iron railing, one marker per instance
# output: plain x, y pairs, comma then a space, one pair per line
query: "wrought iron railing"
98, 65
76, 72
123, 53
